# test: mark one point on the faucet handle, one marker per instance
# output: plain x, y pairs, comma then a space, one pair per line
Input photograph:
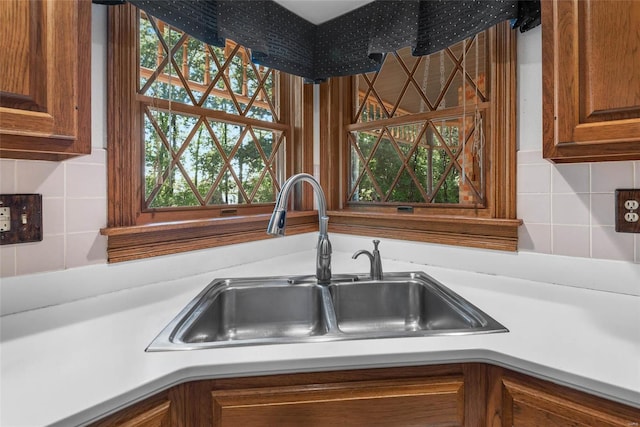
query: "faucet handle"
374, 258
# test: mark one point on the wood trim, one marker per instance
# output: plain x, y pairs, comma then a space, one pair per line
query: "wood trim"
143, 241
335, 109
492, 226
485, 233
501, 187
134, 233
122, 154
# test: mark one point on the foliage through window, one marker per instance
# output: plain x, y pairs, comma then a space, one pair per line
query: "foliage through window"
209, 122
418, 132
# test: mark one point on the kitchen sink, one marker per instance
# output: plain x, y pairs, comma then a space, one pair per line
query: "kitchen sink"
272, 310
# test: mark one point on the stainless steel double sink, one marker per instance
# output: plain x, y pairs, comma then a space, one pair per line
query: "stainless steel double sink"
271, 310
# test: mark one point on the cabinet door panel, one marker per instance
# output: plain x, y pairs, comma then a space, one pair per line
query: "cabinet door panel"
397, 403
591, 82
45, 100
20, 65
525, 406
611, 83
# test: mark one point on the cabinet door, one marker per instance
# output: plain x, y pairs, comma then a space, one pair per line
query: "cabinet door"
398, 403
591, 80
165, 409
45, 99
526, 402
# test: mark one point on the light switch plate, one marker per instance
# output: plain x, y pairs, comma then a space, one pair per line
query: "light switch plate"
20, 218
628, 210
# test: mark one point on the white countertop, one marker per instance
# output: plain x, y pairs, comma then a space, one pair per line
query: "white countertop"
73, 363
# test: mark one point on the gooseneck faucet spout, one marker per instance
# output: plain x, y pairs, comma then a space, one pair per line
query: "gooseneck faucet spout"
278, 221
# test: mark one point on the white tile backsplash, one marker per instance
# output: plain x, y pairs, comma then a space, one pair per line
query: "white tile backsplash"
41, 177
570, 178
531, 158
85, 248
7, 176
47, 255
534, 208
534, 178
582, 216
603, 209
535, 238
53, 215
86, 214
86, 180
607, 176
607, 244
571, 240
7, 261
570, 209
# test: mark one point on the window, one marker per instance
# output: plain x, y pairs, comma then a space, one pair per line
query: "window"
426, 145
200, 139
193, 156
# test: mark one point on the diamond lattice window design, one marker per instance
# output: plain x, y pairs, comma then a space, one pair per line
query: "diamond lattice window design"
419, 129
209, 121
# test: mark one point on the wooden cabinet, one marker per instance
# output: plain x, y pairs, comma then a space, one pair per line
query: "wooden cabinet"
438, 401
522, 401
591, 80
165, 409
45, 88
470, 395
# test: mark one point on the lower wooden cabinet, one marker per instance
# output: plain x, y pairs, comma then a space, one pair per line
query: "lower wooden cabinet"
521, 401
165, 409
439, 401
471, 395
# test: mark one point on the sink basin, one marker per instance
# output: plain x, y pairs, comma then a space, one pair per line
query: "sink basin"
247, 312
402, 306
272, 310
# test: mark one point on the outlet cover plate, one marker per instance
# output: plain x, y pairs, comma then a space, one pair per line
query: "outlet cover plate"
25, 218
625, 208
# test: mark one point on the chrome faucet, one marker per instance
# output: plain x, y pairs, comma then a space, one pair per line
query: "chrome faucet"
374, 258
278, 222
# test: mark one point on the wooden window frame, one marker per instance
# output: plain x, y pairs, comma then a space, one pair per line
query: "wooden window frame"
134, 234
493, 227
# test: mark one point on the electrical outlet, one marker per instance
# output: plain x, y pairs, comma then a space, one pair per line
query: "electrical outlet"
631, 205
5, 219
631, 217
20, 218
628, 210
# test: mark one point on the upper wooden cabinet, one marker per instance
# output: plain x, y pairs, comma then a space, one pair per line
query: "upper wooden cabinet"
45, 88
591, 80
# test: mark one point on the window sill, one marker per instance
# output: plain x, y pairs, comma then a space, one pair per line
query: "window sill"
144, 241
485, 233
